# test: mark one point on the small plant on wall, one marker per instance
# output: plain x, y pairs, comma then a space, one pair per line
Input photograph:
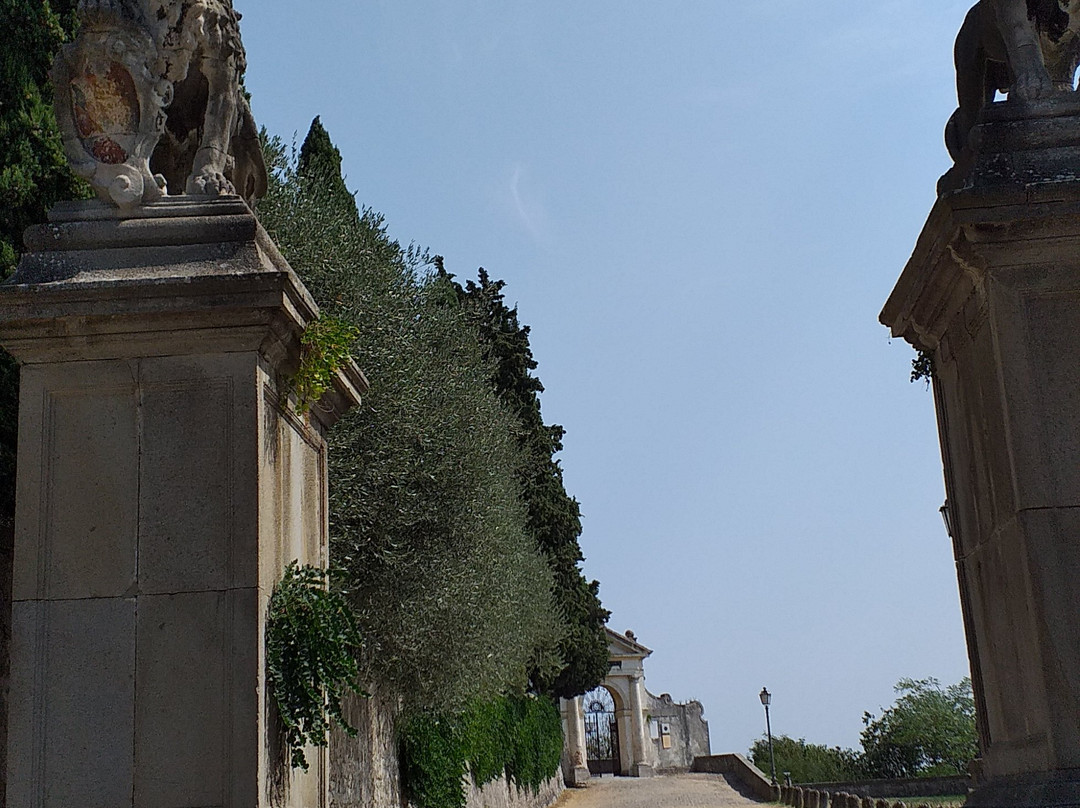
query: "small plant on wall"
922, 367
325, 347
311, 645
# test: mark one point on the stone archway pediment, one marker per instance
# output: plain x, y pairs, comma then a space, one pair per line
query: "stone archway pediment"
621, 646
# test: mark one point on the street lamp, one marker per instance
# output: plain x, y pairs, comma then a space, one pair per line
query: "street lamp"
766, 700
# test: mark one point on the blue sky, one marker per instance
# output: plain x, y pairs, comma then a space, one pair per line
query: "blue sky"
700, 208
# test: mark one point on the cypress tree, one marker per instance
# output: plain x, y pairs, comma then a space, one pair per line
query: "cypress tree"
320, 162
554, 517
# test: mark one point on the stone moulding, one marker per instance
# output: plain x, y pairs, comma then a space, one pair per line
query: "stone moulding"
205, 265
110, 106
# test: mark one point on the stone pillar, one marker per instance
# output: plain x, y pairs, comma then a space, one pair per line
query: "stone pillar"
640, 766
163, 486
575, 770
7, 538
993, 291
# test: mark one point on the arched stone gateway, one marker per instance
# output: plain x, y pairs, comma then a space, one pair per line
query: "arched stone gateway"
621, 728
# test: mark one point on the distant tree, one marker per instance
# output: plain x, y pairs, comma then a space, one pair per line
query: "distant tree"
581, 660
807, 762
320, 162
929, 731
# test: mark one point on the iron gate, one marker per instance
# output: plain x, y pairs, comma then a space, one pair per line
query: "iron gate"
601, 733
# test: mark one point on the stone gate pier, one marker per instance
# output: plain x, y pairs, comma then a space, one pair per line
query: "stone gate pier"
993, 293
163, 486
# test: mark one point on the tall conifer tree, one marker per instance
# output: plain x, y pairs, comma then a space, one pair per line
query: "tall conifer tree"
554, 517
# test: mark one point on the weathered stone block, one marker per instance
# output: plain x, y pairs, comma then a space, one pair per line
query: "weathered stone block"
76, 524
72, 711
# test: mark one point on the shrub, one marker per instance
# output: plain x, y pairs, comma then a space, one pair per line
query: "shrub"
517, 736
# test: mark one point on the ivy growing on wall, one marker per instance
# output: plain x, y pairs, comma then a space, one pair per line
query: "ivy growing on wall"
519, 736
311, 645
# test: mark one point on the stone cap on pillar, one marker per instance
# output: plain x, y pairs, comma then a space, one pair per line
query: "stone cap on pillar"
1020, 190
183, 276
98, 283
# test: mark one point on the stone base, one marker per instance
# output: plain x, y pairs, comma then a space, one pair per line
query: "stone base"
1059, 789
1017, 144
642, 770
579, 777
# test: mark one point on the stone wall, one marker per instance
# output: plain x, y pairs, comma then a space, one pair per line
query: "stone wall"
809, 797
743, 775
687, 735
900, 788
501, 794
364, 770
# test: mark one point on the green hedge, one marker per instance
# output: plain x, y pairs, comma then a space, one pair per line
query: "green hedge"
520, 736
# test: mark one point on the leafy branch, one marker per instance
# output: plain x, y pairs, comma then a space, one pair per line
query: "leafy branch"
922, 367
325, 347
311, 645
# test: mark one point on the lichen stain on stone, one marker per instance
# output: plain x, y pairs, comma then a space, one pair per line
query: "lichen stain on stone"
106, 109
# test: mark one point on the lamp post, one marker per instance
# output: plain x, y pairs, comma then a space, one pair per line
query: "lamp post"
766, 700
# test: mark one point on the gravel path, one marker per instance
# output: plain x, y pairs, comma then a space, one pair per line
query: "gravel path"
672, 791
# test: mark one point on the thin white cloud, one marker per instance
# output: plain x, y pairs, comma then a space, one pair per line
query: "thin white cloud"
530, 212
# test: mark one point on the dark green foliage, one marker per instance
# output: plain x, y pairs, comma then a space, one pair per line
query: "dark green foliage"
929, 731
519, 736
427, 527
580, 662
320, 162
807, 762
432, 757
311, 642
922, 367
33, 171
536, 741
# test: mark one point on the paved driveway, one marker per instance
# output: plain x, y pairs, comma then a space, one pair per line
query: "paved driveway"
671, 791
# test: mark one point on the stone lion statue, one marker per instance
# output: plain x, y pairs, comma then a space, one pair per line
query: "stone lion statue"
149, 101
1027, 48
